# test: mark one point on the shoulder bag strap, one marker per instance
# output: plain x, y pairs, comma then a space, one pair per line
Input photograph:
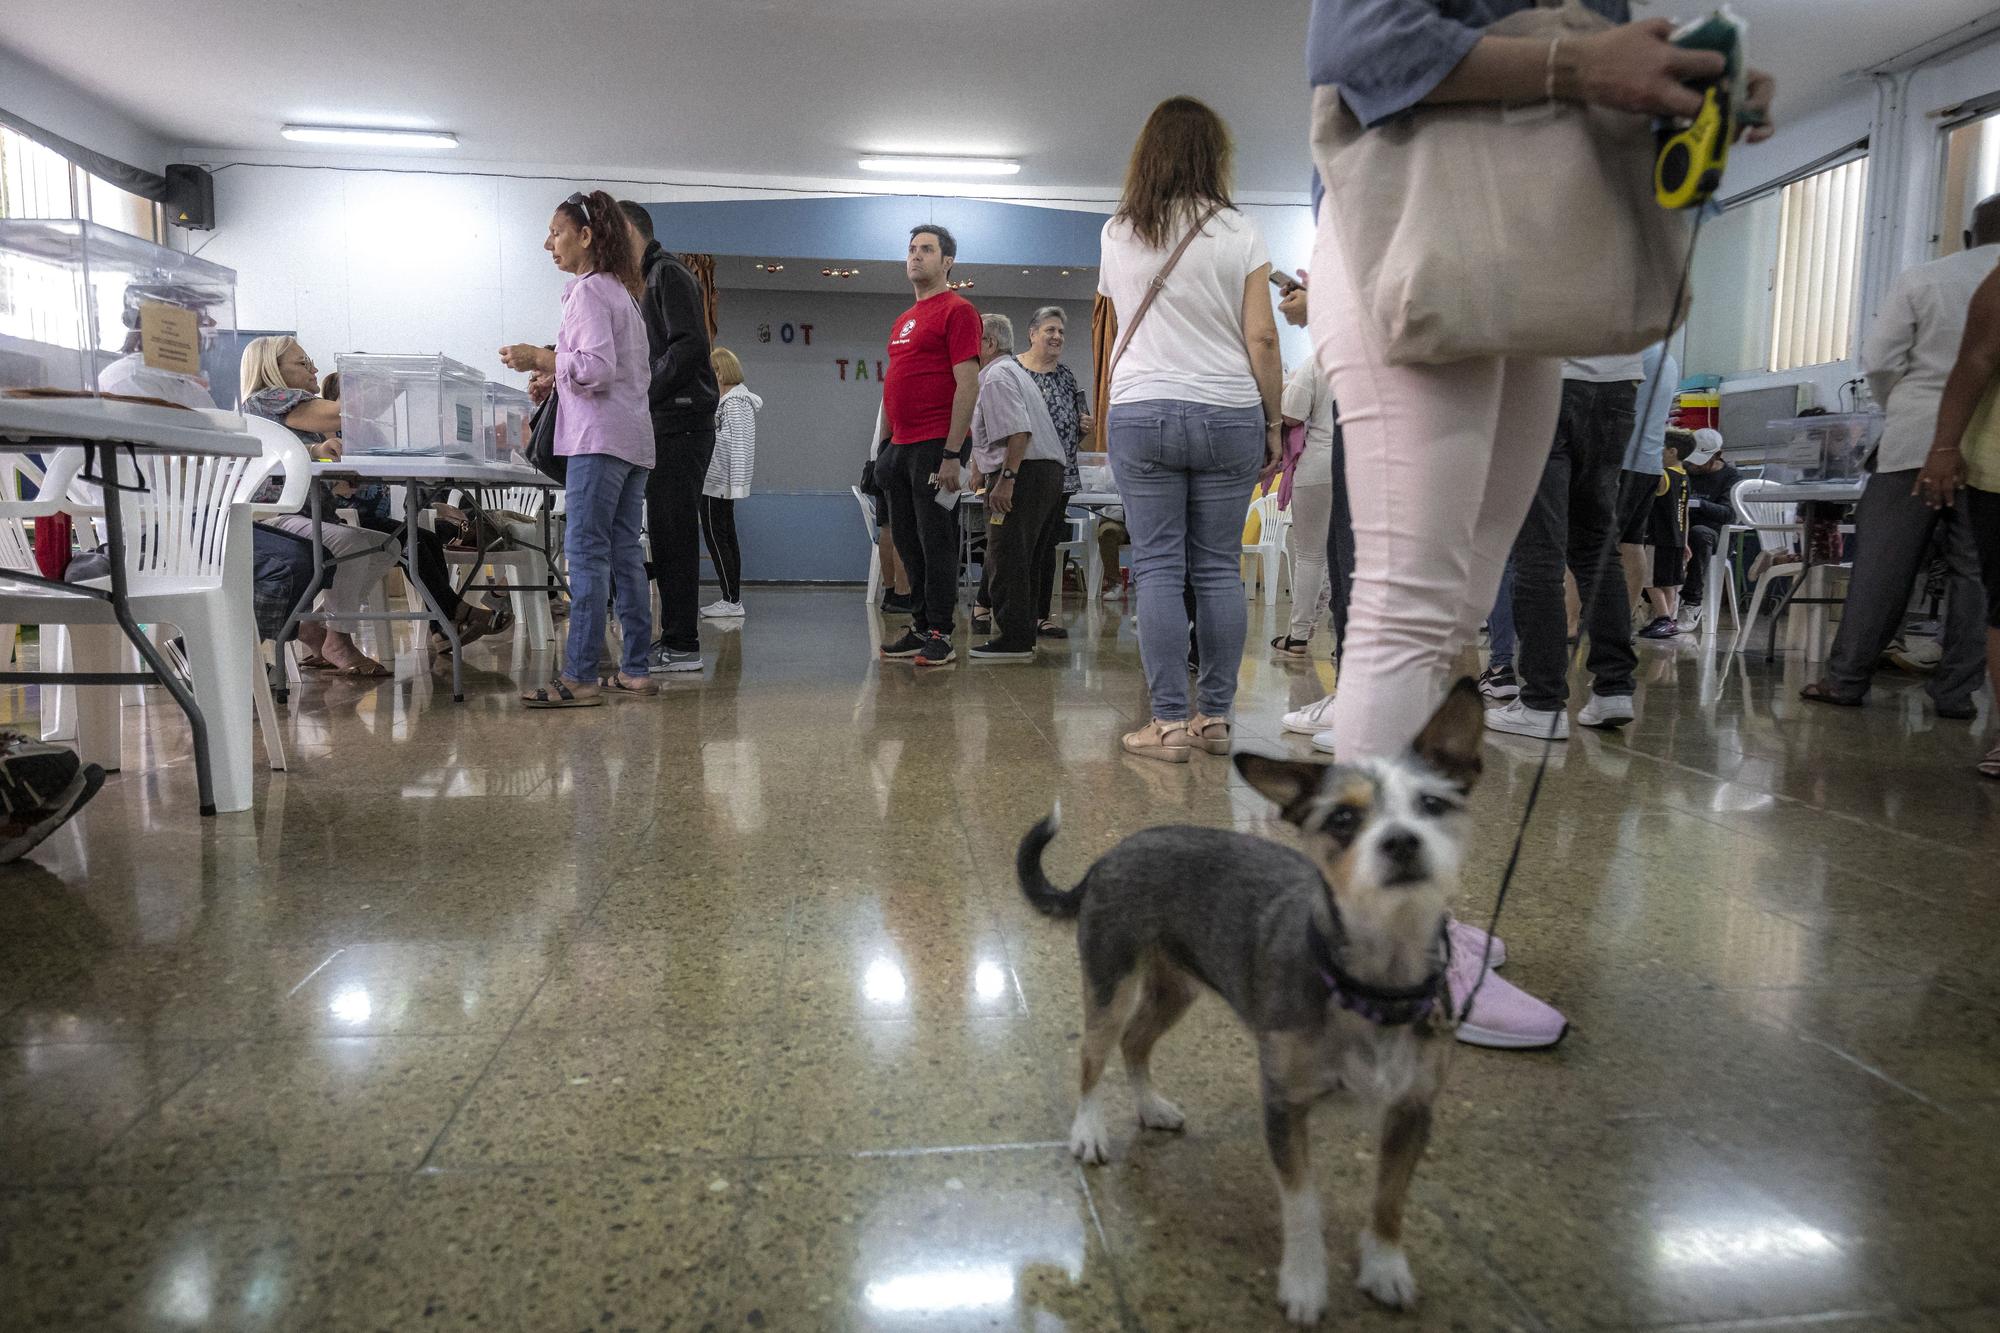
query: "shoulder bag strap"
1153, 290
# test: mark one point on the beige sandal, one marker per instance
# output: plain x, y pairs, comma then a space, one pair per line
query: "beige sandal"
1209, 733
1168, 742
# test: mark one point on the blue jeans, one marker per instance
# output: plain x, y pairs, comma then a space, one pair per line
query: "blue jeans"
1500, 624
1185, 472
606, 502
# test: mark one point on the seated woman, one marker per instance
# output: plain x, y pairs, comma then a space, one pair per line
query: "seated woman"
280, 382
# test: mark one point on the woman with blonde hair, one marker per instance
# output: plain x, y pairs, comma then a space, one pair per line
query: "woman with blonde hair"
1194, 412
728, 481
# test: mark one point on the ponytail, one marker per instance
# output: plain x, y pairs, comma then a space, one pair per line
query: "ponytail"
610, 239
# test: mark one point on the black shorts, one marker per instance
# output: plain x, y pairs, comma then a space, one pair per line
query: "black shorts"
1983, 509
1667, 533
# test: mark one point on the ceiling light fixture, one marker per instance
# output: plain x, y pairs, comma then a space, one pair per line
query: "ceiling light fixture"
840, 273
378, 138
961, 286
941, 166
770, 268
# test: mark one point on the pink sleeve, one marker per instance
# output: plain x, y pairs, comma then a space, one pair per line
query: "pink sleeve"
586, 353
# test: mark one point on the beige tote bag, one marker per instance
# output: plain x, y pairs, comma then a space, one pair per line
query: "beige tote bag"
1480, 230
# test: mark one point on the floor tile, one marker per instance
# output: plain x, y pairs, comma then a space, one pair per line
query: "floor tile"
63, 1104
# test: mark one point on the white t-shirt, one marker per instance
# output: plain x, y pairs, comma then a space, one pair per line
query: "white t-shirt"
131, 376
1605, 369
1190, 346
1308, 399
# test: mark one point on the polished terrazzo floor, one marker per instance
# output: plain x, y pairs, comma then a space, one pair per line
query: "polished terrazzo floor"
722, 1011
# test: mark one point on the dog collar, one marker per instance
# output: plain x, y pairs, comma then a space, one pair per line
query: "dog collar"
1384, 1006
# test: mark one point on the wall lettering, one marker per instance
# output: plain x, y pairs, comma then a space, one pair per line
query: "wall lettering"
786, 334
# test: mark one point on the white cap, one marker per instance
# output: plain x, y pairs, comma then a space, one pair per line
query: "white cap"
1707, 444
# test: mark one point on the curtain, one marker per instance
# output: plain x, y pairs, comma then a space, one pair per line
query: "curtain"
703, 268
1103, 341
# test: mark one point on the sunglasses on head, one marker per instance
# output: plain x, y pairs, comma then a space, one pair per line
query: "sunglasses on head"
581, 205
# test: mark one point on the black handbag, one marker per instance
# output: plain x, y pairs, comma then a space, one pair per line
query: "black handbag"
542, 442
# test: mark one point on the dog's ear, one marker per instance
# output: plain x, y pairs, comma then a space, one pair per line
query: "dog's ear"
1290, 783
1451, 742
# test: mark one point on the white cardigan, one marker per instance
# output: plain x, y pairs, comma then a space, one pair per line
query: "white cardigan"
735, 445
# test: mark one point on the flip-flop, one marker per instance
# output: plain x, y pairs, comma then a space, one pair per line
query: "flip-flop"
1989, 767
615, 684
557, 694
1817, 693
314, 662
367, 669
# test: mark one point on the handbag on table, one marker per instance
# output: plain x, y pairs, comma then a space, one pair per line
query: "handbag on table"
1481, 230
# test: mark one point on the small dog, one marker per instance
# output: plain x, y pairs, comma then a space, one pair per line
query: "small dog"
1334, 961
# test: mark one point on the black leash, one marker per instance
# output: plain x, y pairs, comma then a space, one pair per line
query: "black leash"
1604, 560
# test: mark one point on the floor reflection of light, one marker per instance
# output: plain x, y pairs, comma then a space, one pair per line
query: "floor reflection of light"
1716, 1247
989, 982
351, 1004
884, 983
942, 1289
186, 1294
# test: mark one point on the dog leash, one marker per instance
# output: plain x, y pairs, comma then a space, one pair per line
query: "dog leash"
1577, 660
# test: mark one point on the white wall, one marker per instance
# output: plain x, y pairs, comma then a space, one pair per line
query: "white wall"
60, 107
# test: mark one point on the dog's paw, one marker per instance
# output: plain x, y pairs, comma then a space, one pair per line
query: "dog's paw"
1302, 1284
1385, 1272
1089, 1140
1156, 1112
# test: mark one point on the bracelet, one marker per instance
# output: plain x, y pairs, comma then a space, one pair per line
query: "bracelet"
1549, 82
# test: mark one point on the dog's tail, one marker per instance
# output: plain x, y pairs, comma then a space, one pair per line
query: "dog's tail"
1046, 897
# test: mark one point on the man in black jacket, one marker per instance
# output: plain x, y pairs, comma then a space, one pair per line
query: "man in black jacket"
683, 401
1711, 479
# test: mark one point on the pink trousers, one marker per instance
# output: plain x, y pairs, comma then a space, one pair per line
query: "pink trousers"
1442, 462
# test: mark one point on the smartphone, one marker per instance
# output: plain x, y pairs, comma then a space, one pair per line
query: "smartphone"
1285, 282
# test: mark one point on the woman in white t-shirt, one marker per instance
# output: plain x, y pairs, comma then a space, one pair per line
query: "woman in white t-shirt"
1194, 413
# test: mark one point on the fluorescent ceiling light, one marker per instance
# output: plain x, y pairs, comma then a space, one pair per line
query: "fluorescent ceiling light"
941, 166
372, 137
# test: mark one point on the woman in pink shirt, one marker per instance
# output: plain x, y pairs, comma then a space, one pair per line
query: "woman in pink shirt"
600, 371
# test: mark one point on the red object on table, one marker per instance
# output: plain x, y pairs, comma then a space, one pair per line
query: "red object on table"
54, 544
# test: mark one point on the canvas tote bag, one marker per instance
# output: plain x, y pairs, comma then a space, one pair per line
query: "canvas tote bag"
1482, 230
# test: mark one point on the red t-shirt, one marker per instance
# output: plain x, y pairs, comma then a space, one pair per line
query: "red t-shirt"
928, 339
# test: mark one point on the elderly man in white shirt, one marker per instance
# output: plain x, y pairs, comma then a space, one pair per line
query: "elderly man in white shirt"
1907, 355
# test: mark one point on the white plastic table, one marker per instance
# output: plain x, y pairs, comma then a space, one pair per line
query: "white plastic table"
414, 473
101, 429
1831, 494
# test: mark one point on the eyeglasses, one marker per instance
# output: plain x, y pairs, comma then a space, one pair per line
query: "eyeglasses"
581, 205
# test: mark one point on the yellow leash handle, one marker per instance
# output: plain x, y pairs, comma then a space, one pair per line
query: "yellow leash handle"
1690, 163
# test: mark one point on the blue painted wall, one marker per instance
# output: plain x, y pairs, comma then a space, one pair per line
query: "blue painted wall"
878, 227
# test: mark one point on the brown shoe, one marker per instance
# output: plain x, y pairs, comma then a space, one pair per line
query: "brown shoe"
1166, 741
1209, 733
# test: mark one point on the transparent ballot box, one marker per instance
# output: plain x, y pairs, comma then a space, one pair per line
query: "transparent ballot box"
86, 311
1833, 446
509, 410
429, 405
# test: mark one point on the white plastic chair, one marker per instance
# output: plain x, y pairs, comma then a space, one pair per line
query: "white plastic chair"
521, 564
1079, 545
188, 550
1269, 548
874, 593
1767, 517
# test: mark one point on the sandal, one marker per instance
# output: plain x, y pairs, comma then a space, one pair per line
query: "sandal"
1209, 733
367, 668
982, 621
1166, 741
1989, 767
1290, 646
314, 662
615, 683
1820, 693
1048, 629
558, 694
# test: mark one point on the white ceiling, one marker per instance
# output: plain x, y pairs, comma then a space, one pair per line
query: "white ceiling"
789, 89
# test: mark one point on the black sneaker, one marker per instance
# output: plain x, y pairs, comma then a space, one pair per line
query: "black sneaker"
1499, 683
1048, 629
994, 650
1662, 627
936, 652
41, 786
909, 645
899, 603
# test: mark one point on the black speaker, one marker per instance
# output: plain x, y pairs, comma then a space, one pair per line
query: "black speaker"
190, 197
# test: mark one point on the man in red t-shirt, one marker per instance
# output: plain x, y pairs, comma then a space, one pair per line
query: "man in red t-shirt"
927, 398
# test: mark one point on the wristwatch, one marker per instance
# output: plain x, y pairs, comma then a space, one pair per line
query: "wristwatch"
1008, 474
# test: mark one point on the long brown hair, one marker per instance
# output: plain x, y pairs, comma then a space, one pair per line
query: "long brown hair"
610, 242
1179, 166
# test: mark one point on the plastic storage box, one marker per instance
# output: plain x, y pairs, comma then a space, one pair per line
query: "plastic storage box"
1830, 447
509, 410
86, 310
429, 405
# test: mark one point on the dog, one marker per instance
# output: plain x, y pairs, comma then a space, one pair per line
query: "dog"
1334, 959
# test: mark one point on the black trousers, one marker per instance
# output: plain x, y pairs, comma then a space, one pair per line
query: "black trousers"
1019, 553
431, 568
926, 535
1339, 549
1572, 523
1053, 531
1703, 539
718, 529
673, 529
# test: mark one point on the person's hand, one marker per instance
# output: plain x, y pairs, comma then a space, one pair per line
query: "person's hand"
1274, 445
1758, 90
328, 450
1292, 305
1937, 485
1000, 499
1635, 68
540, 385
526, 356
1087, 423
947, 475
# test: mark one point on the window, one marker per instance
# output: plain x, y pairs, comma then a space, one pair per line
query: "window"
38, 182
106, 203
1819, 266
1971, 173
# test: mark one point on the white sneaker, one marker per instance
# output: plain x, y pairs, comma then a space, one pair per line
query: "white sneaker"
1606, 710
723, 611
1516, 718
1313, 717
1323, 741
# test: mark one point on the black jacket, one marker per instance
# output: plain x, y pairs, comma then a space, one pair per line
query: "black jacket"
683, 394
1708, 496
